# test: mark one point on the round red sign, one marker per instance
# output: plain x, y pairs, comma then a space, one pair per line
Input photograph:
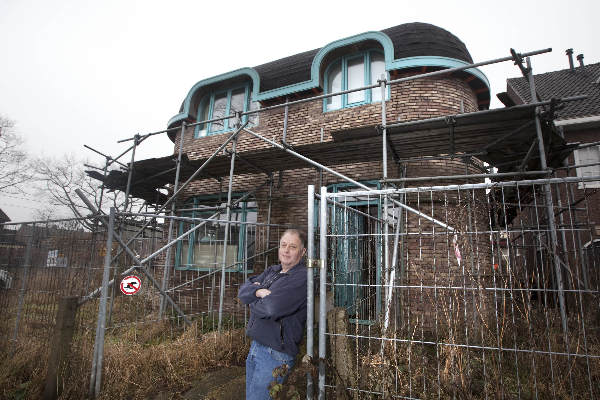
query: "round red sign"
130, 285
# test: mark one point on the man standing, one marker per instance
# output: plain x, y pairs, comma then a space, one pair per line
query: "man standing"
277, 300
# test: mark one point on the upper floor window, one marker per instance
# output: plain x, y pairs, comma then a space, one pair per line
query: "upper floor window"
351, 72
589, 156
223, 103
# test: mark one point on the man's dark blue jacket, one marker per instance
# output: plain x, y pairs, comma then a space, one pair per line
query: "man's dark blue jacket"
277, 320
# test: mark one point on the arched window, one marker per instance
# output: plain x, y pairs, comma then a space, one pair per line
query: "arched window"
222, 103
350, 72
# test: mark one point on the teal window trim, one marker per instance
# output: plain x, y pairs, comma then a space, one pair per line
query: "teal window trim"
210, 100
366, 55
242, 237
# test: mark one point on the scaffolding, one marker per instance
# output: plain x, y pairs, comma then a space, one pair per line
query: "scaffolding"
456, 137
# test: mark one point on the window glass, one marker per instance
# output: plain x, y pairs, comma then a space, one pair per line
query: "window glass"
253, 118
352, 72
219, 110
203, 116
185, 249
377, 69
237, 104
356, 79
588, 155
225, 104
203, 249
334, 85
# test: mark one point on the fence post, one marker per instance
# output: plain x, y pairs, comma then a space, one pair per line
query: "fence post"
58, 360
96, 374
322, 291
310, 292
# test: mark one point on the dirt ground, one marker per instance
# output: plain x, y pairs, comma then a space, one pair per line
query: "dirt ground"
224, 384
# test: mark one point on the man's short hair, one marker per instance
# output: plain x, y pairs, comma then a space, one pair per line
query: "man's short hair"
298, 232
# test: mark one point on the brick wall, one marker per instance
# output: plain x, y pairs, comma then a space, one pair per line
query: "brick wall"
418, 99
424, 98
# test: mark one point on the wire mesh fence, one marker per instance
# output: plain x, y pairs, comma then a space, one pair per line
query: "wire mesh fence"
43, 263
466, 293
40, 265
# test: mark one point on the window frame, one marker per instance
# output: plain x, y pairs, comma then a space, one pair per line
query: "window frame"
366, 55
204, 130
242, 208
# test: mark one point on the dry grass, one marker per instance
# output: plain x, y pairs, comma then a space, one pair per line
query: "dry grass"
137, 363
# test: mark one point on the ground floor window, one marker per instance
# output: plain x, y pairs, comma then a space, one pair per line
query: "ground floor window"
203, 249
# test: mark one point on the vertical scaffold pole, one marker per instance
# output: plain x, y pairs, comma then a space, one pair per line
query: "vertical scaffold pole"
386, 225
310, 289
226, 238
549, 204
136, 142
96, 224
390, 284
322, 289
167, 268
268, 238
96, 376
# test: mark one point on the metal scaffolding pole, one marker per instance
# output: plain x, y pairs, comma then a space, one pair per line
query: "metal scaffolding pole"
322, 290
549, 204
268, 238
91, 295
96, 375
348, 179
468, 176
138, 263
133, 148
386, 224
190, 179
310, 294
390, 282
167, 267
95, 227
226, 238
136, 141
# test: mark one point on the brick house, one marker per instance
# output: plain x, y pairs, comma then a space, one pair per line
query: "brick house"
312, 127
340, 132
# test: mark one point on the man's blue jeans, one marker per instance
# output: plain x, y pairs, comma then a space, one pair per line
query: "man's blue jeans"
260, 363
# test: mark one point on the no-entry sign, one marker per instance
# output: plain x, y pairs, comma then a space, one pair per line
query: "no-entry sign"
130, 285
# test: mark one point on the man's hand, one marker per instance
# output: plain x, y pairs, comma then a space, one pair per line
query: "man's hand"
262, 293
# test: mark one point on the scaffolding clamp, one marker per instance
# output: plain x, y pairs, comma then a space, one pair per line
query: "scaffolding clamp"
315, 263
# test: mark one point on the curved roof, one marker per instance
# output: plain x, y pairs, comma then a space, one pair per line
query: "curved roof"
408, 40
404, 46
420, 39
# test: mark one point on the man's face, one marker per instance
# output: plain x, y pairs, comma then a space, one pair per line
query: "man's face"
290, 250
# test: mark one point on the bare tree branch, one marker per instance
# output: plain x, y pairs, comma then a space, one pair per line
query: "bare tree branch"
60, 177
15, 169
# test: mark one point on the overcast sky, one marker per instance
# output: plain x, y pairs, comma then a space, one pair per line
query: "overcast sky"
93, 72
